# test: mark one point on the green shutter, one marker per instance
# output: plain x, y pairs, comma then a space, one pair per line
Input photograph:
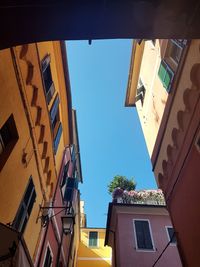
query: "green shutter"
166, 75
162, 71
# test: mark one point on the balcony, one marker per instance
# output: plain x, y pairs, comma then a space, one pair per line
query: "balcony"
142, 197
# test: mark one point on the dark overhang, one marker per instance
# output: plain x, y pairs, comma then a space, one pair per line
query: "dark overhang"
68, 89
28, 21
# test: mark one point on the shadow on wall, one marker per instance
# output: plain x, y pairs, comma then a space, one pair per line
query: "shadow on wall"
87, 252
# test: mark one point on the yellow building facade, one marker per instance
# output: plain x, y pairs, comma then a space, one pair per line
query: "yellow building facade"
35, 128
145, 89
91, 252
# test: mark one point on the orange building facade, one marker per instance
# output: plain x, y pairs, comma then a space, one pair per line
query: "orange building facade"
36, 134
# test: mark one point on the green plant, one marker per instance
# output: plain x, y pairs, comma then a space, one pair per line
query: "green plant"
122, 182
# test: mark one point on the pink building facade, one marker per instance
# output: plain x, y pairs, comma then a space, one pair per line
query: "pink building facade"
141, 236
58, 248
53, 244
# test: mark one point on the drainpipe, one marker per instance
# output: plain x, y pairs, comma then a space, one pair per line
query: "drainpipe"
115, 246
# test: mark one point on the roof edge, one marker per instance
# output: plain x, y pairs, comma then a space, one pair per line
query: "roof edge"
68, 88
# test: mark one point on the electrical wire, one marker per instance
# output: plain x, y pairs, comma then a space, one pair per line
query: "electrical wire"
164, 249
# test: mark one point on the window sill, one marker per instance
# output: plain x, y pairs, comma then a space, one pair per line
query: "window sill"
145, 250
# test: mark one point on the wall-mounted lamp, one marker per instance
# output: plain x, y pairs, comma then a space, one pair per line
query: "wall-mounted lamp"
68, 218
68, 222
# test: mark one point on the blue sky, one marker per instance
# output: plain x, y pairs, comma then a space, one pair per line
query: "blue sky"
110, 136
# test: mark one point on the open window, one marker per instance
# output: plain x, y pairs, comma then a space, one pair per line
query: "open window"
171, 235
25, 207
56, 123
166, 75
47, 78
8, 139
141, 90
170, 62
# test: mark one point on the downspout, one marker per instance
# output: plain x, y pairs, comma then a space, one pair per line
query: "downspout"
115, 246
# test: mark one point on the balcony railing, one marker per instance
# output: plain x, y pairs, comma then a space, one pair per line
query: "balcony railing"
159, 202
142, 197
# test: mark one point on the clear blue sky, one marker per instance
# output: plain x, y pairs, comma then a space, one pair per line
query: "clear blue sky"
110, 136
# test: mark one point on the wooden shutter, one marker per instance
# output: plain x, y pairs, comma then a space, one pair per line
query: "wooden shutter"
143, 235
65, 174
70, 189
147, 235
54, 108
25, 208
47, 78
57, 138
166, 75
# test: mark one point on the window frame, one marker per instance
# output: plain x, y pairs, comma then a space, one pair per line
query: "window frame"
46, 63
168, 236
25, 214
7, 148
51, 253
57, 129
151, 235
167, 69
89, 239
64, 175
140, 92
168, 53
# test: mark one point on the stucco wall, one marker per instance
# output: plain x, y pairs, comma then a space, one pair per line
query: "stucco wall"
150, 113
53, 49
125, 238
97, 257
178, 104
15, 175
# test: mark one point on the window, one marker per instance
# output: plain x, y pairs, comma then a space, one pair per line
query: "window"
73, 152
153, 41
65, 174
25, 208
169, 64
47, 77
48, 258
55, 122
8, 139
174, 51
171, 235
166, 75
69, 189
140, 92
143, 235
93, 238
